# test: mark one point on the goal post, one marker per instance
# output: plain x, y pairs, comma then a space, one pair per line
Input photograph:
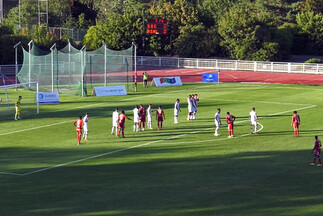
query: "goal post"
9, 95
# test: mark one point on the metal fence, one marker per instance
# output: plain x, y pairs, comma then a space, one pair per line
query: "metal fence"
220, 64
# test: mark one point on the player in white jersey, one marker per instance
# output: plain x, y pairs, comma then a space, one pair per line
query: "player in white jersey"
115, 117
189, 107
217, 121
253, 120
85, 126
149, 117
176, 111
136, 119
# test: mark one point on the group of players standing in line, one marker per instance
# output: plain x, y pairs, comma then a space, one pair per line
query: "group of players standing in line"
140, 113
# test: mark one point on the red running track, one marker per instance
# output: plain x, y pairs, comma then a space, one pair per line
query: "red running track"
195, 75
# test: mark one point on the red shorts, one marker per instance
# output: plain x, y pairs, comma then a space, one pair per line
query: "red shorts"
143, 118
121, 125
78, 132
296, 125
318, 152
160, 119
230, 126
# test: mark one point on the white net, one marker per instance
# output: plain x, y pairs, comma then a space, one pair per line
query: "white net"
9, 95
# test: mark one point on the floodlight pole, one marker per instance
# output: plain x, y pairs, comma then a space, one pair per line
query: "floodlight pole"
29, 60
82, 68
135, 59
52, 64
16, 61
105, 63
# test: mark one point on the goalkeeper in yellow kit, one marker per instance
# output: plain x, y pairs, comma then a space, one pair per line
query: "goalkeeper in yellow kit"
18, 108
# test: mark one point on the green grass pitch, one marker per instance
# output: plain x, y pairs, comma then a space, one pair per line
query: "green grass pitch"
182, 170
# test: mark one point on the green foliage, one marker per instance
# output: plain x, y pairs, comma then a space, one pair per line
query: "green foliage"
314, 60
313, 5
5, 30
181, 15
155, 45
242, 32
118, 32
192, 42
40, 35
7, 52
311, 24
240, 29
269, 52
284, 35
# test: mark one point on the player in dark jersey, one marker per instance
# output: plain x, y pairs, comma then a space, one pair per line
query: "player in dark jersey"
317, 148
142, 117
160, 116
296, 121
230, 119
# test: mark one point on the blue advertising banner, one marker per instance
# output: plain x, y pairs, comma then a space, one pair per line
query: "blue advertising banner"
210, 77
48, 97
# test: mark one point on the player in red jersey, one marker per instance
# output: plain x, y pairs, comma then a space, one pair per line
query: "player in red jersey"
160, 116
317, 148
296, 121
78, 123
121, 123
142, 117
230, 119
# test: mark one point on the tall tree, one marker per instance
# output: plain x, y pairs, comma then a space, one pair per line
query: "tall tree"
243, 31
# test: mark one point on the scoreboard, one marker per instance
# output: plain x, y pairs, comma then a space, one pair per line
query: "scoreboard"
156, 26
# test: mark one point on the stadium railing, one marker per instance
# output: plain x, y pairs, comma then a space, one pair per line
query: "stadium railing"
221, 64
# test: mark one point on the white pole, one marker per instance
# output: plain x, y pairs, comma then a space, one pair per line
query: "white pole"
105, 64
29, 60
37, 100
135, 59
52, 65
82, 69
16, 60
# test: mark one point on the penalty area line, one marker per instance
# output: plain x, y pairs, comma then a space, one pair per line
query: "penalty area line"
145, 144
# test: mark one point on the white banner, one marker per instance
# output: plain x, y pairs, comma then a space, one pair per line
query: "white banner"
109, 91
48, 98
166, 81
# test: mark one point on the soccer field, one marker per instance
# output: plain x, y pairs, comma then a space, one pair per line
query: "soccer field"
178, 171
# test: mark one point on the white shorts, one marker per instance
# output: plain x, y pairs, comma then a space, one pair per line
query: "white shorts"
136, 120
217, 124
253, 122
115, 124
176, 112
86, 128
149, 118
189, 108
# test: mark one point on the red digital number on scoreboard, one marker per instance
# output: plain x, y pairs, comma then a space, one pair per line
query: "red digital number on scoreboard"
156, 26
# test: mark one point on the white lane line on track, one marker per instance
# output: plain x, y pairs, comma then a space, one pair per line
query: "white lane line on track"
144, 144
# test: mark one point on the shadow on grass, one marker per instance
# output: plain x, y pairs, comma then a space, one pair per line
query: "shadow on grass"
171, 181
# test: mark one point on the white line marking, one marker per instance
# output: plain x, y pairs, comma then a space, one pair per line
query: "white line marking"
145, 144
270, 102
217, 139
7, 173
35, 128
